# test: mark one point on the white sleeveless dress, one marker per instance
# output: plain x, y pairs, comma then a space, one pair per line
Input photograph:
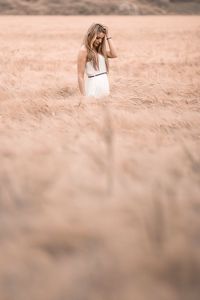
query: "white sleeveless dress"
97, 86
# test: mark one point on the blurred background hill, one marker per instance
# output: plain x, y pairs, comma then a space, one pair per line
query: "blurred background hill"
98, 7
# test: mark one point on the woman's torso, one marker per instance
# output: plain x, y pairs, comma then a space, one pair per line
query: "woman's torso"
90, 70
97, 86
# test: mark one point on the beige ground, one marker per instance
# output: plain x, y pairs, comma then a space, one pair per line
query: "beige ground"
100, 201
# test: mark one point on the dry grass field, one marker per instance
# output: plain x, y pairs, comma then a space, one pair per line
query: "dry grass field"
99, 7
100, 201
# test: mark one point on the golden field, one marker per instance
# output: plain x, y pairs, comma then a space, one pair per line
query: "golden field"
99, 7
100, 201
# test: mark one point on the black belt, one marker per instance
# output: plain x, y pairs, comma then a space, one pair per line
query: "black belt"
90, 76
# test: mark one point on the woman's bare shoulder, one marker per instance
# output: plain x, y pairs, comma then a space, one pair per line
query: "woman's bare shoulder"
83, 50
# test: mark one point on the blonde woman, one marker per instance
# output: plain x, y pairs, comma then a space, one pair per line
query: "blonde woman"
92, 65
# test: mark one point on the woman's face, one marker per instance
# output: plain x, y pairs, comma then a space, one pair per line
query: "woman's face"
99, 39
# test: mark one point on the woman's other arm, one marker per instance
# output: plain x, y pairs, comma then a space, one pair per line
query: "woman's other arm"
82, 55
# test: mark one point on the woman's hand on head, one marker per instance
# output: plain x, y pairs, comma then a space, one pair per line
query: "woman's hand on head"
106, 29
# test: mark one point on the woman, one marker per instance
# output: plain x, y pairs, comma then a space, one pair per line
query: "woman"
93, 60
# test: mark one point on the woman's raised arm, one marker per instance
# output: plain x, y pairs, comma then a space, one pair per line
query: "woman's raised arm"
111, 53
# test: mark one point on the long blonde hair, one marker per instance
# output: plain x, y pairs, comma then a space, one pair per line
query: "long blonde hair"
89, 39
